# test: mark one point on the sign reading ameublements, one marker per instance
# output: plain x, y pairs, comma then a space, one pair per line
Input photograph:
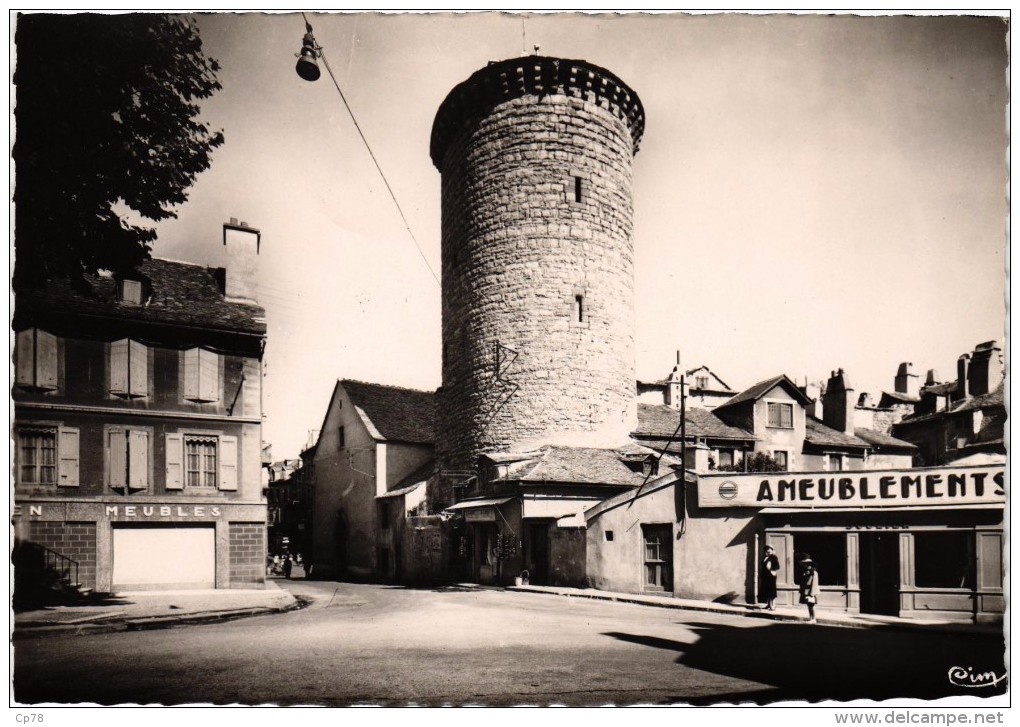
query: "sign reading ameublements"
864, 489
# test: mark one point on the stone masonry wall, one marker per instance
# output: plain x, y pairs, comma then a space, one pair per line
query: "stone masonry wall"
247, 554
518, 249
76, 541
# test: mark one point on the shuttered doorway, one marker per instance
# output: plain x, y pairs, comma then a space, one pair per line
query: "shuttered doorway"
164, 557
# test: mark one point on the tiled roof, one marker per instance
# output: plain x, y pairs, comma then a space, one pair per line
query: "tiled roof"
992, 399
817, 433
662, 421
763, 387
940, 389
398, 414
899, 397
411, 481
181, 294
588, 465
880, 439
992, 429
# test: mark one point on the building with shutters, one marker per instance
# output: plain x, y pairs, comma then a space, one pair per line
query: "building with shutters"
137, 427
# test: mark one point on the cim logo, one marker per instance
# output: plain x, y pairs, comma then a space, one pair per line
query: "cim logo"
728, 490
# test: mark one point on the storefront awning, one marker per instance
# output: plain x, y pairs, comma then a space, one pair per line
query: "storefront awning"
556, 507
916, 508
475, 504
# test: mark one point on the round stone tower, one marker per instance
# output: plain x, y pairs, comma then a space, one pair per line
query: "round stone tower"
536, 160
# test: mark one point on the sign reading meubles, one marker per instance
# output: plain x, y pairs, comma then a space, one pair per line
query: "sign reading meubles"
870, 488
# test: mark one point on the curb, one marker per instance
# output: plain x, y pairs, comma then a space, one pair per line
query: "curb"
107, 624
960, 628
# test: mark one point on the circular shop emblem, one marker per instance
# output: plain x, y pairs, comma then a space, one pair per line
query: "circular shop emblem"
728, 490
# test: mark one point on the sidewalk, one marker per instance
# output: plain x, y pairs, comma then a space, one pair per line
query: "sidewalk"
782, 613
137, 610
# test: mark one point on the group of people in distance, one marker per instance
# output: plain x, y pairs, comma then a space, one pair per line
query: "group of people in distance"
806, 580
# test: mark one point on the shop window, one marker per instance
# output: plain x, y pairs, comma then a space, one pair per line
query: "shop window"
129, 369
128, 458
47, 456
828, 551
944, 560
201, 462
201, 376
35, 356
780, 415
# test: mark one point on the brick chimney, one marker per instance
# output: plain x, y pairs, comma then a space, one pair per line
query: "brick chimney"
962, 374
838, 403
985, 370
906, 380
242, 244
814, 391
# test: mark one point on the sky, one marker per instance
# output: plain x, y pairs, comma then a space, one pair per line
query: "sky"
812, 192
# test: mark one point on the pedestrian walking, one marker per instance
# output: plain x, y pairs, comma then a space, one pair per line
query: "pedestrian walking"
808, 582
769, 577
288, 564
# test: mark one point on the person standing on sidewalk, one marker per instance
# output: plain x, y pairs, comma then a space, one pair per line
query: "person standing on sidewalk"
769, 576
808, 582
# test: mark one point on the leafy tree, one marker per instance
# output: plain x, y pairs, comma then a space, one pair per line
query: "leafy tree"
107, 126
757, 462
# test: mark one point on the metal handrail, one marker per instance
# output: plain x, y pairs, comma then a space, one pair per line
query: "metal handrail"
60, 564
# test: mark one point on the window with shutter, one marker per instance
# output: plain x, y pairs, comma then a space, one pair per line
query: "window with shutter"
780, 415
36, 360
129, 369
174, 462
128, 458
201, 375
67, 453
228, 463
37, 456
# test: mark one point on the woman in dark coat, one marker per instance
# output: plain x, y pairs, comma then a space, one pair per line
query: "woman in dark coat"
769, 575
808, 581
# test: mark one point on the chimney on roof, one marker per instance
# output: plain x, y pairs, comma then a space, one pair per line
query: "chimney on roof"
813, 391
932, 378
242, 244
838, 403
906, 380
985, 370
962, 372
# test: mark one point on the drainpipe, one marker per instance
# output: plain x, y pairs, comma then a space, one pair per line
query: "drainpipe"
757, 550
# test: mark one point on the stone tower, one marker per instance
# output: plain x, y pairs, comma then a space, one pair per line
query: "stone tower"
536, 159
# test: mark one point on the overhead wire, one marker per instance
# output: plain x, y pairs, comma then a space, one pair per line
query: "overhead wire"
393, 196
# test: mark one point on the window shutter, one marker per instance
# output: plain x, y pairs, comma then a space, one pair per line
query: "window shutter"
209, 375
174, 462
24, 352
191, 374
118, 457
119, 367
67, 453
138, 451
139, 373
228, 463
45, 360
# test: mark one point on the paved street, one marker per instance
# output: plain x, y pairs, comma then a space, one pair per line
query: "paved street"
360, 644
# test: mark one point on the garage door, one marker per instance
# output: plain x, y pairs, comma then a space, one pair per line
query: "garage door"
168, 557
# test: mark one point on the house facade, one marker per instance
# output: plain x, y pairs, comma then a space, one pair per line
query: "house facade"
137, 427
373, 437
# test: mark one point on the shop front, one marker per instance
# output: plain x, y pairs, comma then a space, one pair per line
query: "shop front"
112, 545
912, 543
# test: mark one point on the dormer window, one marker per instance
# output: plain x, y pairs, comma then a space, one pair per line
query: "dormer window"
131, 291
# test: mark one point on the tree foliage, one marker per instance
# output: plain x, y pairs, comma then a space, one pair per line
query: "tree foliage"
107, 122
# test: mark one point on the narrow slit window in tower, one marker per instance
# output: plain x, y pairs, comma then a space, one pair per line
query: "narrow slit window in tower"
577, 189
579, 308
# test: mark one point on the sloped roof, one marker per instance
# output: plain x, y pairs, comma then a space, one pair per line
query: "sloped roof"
993, 429
410, 481
818, 434
587, 465
992, 399
897, 396
181, 294
940, 389
881, 440
763, 387
397, 414
661, 421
